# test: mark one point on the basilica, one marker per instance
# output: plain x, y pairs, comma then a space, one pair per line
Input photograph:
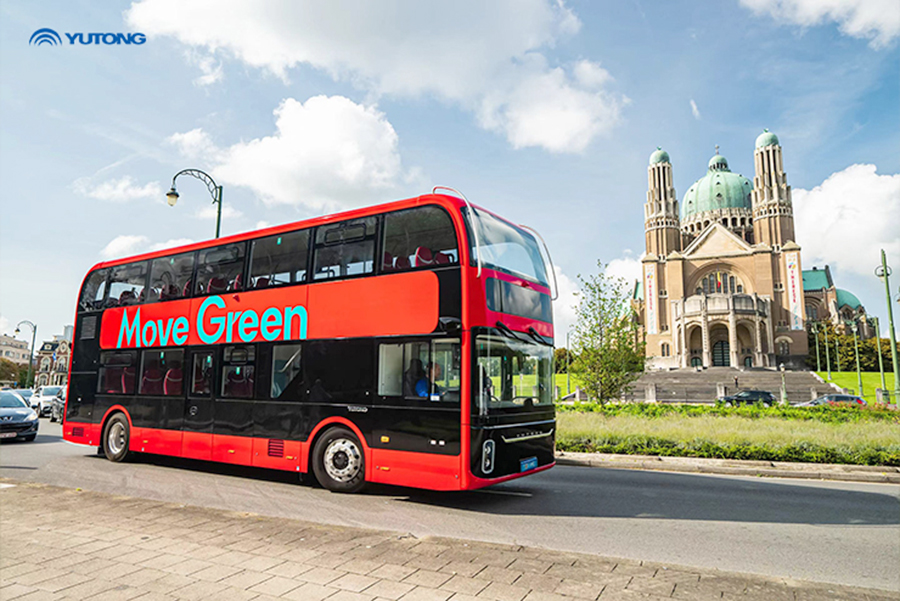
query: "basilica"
722, 279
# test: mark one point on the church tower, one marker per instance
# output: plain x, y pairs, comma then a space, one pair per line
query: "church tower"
773, 214
661, 223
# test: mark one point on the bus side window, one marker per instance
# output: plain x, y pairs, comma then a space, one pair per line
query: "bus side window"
420, 237
279, 260
238, 373
202, 374
161, 373
420, 370
127, 284
170, 277
286, 368
345, 249
116, 375
220, 269
94, 291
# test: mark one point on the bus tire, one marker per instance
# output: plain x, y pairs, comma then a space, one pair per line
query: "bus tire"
339, 462
116, 436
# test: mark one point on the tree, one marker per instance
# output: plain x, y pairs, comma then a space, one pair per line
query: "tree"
608, 350
9, 371
560, 359
24, 381
841, 346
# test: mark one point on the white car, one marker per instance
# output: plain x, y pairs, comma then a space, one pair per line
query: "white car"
44, 397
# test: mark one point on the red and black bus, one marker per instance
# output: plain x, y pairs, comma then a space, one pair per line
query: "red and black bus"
408, 343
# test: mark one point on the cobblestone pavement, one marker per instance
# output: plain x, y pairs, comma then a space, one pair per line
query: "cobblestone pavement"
64, 544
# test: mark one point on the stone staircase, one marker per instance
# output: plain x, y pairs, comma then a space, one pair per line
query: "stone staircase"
691, 386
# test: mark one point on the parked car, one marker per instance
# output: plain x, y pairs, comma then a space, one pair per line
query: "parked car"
45, 396
17, 419
58, 406
749, 397
835, 399
28, 395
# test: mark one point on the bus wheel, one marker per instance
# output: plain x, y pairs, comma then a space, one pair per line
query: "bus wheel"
116, 435
338, 461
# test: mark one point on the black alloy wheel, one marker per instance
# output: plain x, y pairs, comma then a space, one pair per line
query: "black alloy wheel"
338, 461
116, 436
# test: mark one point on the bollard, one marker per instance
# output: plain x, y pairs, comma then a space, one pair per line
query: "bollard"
650, 393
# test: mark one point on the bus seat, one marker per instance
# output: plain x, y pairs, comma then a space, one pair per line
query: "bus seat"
401, 263
127, 297
152, 382
128, 380
423, 257
237, 283
173, 381
412, 376
186, 291
262, 282
153, 295
239, 385
388, 263
216, 285
441, 259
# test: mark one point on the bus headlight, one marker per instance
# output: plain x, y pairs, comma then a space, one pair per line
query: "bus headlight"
487, 457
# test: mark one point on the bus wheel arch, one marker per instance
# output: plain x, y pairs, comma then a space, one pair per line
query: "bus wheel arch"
338, 457
115, 435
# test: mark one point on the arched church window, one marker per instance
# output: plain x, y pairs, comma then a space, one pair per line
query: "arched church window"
740, 289
784, 348
812, 312
705, 286
731, 283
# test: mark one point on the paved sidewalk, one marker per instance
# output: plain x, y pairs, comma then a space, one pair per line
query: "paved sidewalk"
67, 544
732, 467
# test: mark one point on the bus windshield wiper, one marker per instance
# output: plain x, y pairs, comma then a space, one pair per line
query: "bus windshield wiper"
537, 337
507, 331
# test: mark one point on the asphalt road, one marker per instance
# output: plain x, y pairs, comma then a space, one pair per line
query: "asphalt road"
845, 533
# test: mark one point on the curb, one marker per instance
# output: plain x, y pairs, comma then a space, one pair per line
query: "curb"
732, 467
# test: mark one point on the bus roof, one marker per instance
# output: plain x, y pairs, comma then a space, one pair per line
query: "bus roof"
445, 200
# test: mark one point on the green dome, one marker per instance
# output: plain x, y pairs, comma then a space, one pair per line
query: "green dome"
659, 156
718, 189
847, 298
766, 138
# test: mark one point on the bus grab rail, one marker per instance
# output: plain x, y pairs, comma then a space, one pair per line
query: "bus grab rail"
549, 258
474, 225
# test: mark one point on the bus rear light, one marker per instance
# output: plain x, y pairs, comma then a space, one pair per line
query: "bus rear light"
487, 457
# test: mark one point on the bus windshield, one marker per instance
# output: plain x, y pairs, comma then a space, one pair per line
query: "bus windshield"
506, 248
512, 375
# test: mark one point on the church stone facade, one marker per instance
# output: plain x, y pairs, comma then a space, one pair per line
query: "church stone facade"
722, 279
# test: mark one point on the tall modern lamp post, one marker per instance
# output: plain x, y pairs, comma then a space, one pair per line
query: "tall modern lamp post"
827, 352
31, 355
214, 189
855, 328
883, 272
815, 331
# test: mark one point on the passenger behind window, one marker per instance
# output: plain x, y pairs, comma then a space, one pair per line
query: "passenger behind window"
427, 386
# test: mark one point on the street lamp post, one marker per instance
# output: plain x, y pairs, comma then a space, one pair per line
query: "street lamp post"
878, 352
827, 352
855, 328
837, 350
883, 271
784, 400
31, 355
214, 189
568, 380
815, 330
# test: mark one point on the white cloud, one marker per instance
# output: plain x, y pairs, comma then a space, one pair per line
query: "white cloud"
123, 245
565, 307
123, 189
848, 219
127, 244
326, 153
694, 110
210, 68
626, 267
4, 325
876, 20
262, 224
484, 56
210, 212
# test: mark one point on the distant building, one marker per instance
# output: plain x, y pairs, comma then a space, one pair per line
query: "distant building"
14, 350
52, 363
722, 283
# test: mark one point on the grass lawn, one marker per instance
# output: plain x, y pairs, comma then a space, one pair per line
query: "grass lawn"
733, 437
870, 380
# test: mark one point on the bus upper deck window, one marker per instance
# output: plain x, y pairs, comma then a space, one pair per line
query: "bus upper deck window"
345, 249
94, 291
420, 237
127, 284
170, 277
220, 269
279, 260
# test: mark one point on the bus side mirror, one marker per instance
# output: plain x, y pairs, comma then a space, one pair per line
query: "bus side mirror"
451, 325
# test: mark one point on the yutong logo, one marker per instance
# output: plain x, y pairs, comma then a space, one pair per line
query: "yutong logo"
48, 36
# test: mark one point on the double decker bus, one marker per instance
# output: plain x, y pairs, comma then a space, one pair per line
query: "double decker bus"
408, 343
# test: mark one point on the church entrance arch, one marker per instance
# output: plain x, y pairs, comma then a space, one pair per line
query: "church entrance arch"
721, 354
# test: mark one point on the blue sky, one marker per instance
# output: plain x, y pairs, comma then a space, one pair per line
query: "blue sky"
542, 111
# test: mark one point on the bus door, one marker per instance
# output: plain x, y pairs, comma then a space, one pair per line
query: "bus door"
418, 404
199, 410
232, 440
